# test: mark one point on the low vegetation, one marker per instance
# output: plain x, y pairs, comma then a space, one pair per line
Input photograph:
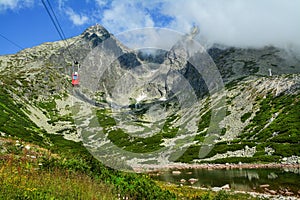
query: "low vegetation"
72, 175
24, 176
69, 160
135, 144
276, 125
245, 116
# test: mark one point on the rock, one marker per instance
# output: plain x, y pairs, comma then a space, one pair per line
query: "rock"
288, 193
182, 180
281, 192
269, 150
273, 192
225, 187
290, 160
176, 172
284, 159
264, 186
193, 180
27, 147
19, 83
216, 189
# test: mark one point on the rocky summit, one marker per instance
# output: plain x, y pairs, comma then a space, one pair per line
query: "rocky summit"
160, 105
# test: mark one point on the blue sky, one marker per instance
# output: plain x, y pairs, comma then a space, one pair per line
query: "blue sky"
29, 24
253, 23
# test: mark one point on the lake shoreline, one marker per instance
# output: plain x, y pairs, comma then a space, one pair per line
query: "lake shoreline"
261, 190
181, 166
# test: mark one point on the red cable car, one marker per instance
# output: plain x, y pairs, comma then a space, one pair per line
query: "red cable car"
75, 75
75, 79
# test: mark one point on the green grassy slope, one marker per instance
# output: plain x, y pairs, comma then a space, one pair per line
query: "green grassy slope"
73, 155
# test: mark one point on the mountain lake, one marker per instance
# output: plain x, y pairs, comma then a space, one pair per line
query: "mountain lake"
280, 180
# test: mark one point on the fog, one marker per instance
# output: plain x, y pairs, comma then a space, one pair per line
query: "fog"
242, 23
239, 23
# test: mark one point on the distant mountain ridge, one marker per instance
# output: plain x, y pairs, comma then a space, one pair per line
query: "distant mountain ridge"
36, 92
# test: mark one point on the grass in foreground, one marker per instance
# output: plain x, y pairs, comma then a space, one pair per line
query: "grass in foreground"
39, 174
22, 176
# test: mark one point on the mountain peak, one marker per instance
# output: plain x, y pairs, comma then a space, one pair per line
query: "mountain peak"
95, 28
96, 33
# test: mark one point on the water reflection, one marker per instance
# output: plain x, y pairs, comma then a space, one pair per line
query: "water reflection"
238, 179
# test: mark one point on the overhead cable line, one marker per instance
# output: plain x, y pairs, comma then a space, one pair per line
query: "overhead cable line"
12, 42
57, 22
57, 26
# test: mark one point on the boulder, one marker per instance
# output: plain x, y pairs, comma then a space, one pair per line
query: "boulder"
216, 189
182, 180
289, 193
193, 180
273, 192
264, 186
225, 187
176, 172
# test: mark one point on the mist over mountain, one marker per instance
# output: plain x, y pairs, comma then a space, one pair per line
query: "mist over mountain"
240, 24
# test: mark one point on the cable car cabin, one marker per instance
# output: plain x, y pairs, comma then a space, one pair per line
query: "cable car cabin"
75, 79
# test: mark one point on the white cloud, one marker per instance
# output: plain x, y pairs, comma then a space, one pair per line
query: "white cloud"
125, 15
14, 4
61, 4
149, 38
9, 3
77, 19
241, 23
101, 3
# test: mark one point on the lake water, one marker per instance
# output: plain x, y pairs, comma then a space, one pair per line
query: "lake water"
238, 179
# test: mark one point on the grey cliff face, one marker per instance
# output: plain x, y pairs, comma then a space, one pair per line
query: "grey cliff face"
137, 80
234, 63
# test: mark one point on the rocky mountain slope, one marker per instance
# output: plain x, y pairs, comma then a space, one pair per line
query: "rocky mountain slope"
139, 109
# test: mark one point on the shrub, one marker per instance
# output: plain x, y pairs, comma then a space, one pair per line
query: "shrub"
245, 116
